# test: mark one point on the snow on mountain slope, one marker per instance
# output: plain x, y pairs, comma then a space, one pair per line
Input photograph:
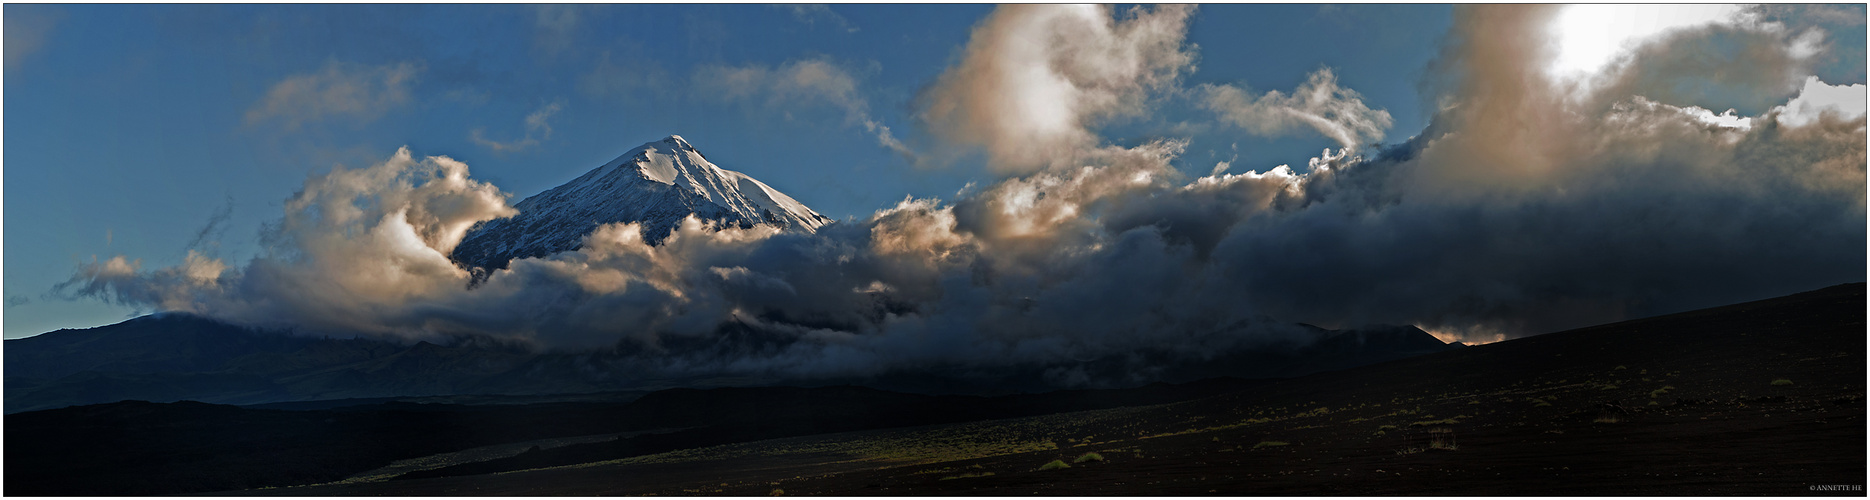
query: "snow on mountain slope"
656, 184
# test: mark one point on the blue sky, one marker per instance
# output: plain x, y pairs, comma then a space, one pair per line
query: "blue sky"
128, 128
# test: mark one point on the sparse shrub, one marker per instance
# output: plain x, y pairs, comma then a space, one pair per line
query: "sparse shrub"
1266, 444
1782, 382
968, 475
1608, 419
1621, 367
1473, 402
1055, 464
1442, 439
1387, 428
1659, 392
1446, 421
1540, 402
1609, 387
778, 492
1653, 403
1088, 457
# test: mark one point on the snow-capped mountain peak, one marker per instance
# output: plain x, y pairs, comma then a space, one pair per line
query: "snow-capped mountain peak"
656, 184
673, 161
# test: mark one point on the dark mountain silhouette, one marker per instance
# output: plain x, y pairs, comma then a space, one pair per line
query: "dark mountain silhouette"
175, 357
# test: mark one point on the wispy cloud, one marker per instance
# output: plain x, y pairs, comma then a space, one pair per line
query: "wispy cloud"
27, 27
1319, 104
623, 73
805, 81
555, 27
811, 14
537, 129
339, 89
208, 238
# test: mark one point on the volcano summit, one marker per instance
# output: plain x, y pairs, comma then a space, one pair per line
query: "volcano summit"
656, 184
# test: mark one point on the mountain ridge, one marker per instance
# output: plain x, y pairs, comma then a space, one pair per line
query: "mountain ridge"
161, 358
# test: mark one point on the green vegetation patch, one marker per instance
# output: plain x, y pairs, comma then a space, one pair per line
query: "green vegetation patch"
1055, 464
1268, 444
1088, 457
1659, 392
1782, 382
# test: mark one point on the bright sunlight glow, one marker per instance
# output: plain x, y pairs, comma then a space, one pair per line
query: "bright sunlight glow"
1591, 36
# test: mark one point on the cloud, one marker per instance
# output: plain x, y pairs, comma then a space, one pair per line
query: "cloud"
537, 129
1842, 14
118, 280
1816, 101
555, 27
624, 74
211, 231
1589, 36
26, 30
360, 92
1319, 103
351, 245
1034, 79
817, 81
1748, 66
1524, 208
810, 14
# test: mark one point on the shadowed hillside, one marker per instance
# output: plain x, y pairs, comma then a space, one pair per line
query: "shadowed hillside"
1764, 398
177, 357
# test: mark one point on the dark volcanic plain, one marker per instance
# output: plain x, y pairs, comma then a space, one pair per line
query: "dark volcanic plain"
1761, 398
